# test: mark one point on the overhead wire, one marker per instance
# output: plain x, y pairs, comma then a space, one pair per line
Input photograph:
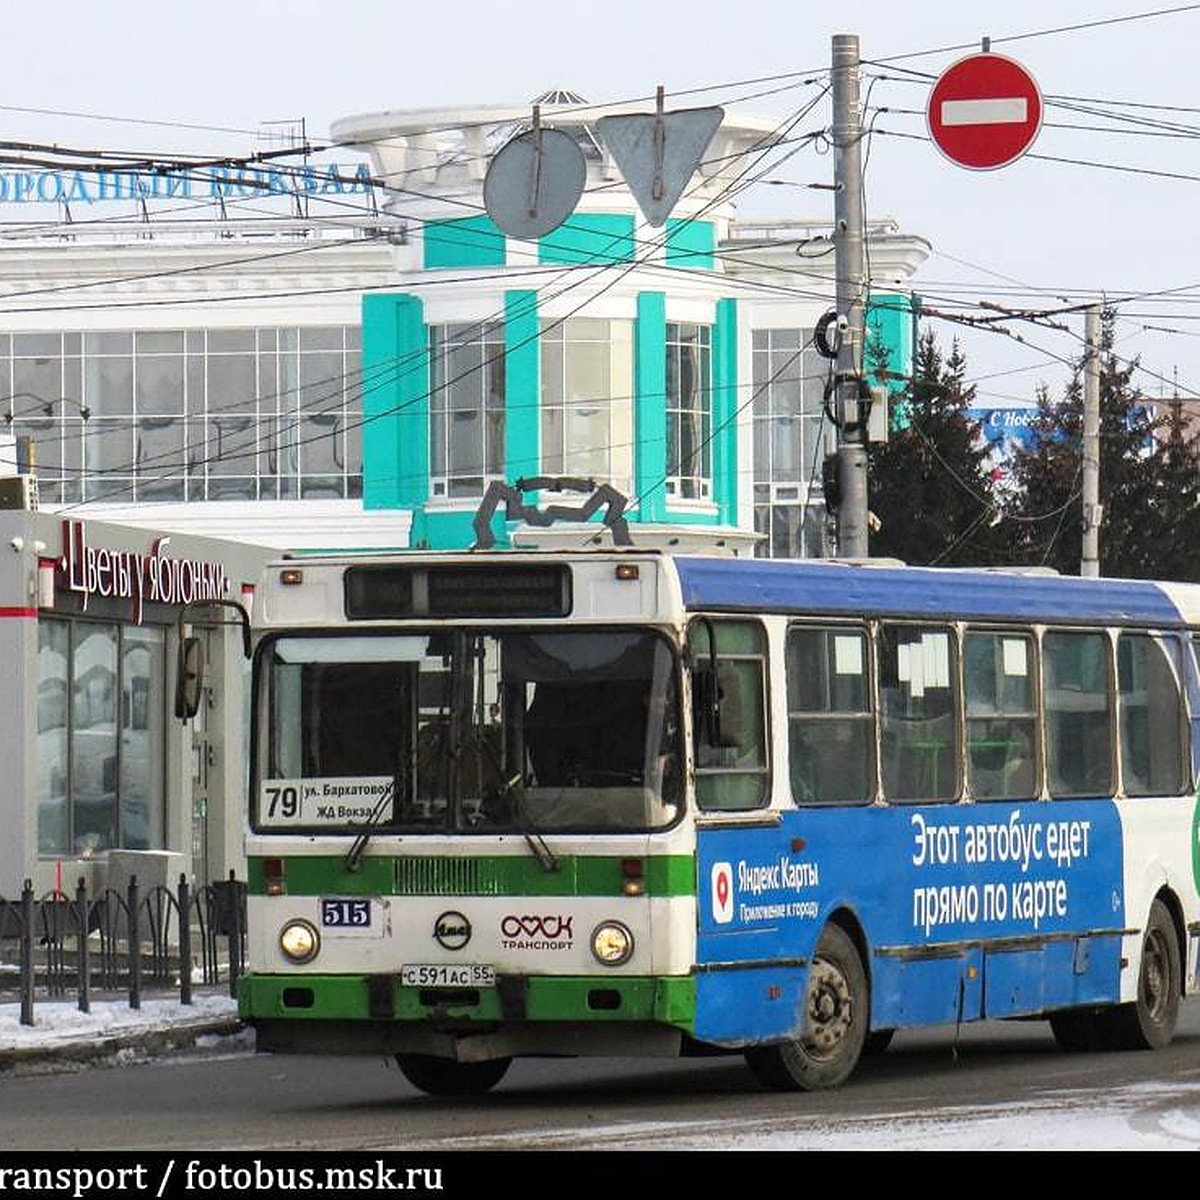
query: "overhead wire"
635, 264
1044, 32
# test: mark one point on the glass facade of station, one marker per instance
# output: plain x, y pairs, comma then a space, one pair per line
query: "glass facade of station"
199, 414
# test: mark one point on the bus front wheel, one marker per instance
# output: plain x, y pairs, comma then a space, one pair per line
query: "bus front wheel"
445, 1077
836, 1016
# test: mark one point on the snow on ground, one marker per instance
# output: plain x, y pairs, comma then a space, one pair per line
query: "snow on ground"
59, 1023
1139, 1117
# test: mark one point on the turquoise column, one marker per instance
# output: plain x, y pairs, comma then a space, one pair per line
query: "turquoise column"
650, 406
395, 404
522, 386
725, 412
890, 322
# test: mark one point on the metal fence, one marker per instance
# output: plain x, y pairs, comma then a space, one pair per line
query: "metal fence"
121, 943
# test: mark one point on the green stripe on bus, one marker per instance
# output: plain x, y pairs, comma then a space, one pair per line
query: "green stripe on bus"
668, 1000
482, 875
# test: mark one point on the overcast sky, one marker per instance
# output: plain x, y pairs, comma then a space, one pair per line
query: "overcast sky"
1122, 105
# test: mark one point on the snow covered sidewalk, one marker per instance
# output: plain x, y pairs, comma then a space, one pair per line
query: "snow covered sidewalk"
61, 1033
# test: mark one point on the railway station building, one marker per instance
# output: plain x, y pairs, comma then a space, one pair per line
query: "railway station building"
217, 367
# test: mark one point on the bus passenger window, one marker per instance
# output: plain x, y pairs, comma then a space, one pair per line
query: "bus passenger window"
729, 742
998, 669
1077, 685
831, 742
919, 713
1151, 716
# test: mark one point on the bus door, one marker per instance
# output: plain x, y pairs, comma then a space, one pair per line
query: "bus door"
748, 968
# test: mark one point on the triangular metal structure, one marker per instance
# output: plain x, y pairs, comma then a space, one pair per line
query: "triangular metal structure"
658, 152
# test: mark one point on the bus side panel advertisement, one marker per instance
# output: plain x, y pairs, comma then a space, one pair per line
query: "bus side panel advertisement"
1036, 890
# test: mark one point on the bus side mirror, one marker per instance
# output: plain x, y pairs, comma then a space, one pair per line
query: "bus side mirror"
189, 676
189, 679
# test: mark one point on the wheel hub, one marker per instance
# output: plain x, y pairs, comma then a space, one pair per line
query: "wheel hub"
829, 1009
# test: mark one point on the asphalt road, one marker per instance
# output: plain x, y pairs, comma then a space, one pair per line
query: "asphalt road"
930, 1088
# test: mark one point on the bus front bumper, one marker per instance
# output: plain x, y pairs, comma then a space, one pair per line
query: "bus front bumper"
668, 1000
521, 1015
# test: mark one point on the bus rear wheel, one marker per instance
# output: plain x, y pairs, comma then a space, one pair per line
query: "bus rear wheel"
445, 1077
1148, 1023
836, 1016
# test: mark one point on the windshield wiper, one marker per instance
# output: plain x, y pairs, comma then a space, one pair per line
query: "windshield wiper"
354, 854
534, 840
514, 787
542, 852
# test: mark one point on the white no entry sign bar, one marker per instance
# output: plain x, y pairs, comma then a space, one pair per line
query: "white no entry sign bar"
984, 111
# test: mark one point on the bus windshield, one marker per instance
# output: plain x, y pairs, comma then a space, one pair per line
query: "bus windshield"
463, 729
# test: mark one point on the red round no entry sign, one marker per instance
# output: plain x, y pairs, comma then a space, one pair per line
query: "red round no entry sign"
984, 111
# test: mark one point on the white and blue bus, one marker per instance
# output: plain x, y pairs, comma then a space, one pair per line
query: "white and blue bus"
616, 802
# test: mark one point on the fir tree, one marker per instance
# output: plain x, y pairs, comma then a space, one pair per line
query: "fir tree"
1149, 472
930, 485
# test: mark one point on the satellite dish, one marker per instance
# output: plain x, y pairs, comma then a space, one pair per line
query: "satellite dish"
534, 183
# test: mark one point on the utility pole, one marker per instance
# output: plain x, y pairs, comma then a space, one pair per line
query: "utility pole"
1090, 564
849, 384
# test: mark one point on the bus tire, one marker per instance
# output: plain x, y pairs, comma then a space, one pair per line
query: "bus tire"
446, 1077
836, 1017
1148, 1023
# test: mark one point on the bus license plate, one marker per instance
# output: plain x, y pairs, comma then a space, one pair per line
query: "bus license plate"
448, 975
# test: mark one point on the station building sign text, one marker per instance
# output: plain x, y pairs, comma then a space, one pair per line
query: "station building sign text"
237, 182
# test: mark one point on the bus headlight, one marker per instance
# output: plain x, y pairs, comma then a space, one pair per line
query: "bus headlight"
612, 944
299, 941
